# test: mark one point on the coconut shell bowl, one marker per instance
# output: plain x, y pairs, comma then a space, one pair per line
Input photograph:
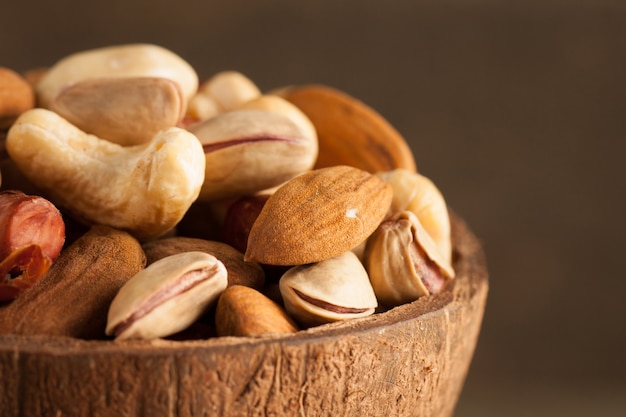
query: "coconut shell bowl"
308, 268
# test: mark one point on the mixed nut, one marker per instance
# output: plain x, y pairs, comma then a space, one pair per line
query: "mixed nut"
158, 203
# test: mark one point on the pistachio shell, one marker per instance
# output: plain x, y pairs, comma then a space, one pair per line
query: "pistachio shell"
239, 272
416, 193
334, 289
403, 262
248, 151
167, 296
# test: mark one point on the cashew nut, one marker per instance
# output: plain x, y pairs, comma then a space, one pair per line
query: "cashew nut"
133, 60
145, 189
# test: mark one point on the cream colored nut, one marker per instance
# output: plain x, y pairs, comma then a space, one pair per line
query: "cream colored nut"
244, 311
416, 193
167, 296
132, 60
403, 262
201, 107
251, 150
144, 189
280, 105
126, 111
331, 290
222, 92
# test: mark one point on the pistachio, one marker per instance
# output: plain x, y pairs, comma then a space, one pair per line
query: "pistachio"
331, 290
250, 150
403, 262
279, 105
131, 60
416, 193
318, 215
126, 111
240, 272
167, 296
243, 311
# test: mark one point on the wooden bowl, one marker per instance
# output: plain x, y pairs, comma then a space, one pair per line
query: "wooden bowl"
409, 361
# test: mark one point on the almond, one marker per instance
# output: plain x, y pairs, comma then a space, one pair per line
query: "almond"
73, 298
16, 96
239, 272
349, 131
244, 311
318, 215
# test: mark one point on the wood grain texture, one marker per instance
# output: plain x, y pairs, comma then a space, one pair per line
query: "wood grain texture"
409, 361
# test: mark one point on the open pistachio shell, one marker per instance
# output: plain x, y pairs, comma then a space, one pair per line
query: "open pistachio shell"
416, 193
331, 290
403, 262
167, 296
248, 151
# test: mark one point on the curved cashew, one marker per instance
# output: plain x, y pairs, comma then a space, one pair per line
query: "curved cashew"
418, 194
133, 60
145, 189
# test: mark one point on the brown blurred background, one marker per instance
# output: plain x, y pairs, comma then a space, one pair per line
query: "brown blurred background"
515, 110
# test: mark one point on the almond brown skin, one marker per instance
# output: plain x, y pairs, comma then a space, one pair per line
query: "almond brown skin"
16, 96
318, 215
349, 131
249, 274
243, 311
73, 298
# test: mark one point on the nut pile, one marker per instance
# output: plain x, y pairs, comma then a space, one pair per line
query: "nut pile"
139, 202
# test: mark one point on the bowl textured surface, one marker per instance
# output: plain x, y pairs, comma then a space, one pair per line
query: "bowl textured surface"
409, 361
